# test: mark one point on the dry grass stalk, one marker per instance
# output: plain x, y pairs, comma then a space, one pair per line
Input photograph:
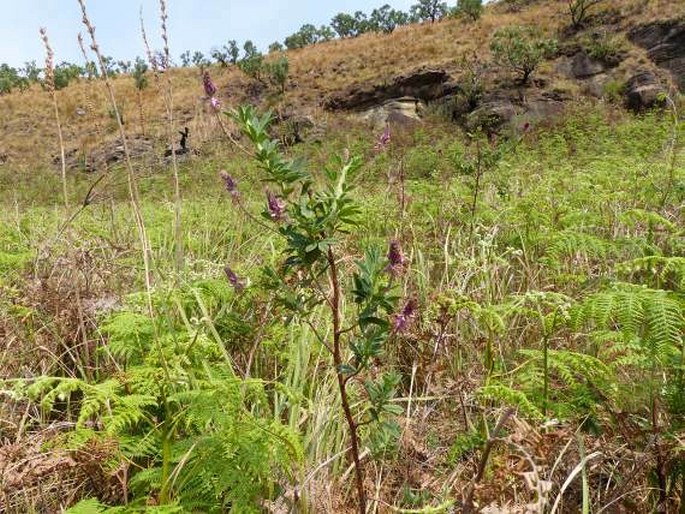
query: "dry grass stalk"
89, 103
50, 82
169, 104
132, 184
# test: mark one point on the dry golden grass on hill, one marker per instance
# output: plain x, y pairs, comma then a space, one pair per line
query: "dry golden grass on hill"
315, 72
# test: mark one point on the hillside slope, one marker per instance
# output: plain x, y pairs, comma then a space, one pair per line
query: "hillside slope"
333, 68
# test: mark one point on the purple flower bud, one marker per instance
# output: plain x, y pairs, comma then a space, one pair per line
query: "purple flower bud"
405, 316
210, 88
233, 279
396, 260
276, 206
383, 140
229, 183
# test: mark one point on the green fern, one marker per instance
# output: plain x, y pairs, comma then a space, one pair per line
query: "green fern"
202, 439
507, 395
664, 272
653, 317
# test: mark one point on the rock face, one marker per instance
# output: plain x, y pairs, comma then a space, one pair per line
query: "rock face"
292, 128
642, 91
582, 66
423, 84
109, 154
665, 45
491, 115
399, 111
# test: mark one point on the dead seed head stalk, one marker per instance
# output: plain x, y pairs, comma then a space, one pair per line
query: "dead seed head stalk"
132, 184
165, 37
91, 30
49, 61
148, 51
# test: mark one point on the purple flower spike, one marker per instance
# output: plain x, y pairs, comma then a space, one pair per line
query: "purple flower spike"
383, 140
210, 88
229, 183
396, 260
406, 315
276, 206
233, 279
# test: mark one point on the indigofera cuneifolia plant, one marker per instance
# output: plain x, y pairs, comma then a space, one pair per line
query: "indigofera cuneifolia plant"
314, 217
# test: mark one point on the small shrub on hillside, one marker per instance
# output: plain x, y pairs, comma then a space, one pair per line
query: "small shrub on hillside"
140, 77
9, 78
521, 49
579, 11
277, 71
603, 46
613, 90
469, 8
252, 64
471, 85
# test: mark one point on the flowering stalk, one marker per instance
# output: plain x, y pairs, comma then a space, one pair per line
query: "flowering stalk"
132, 184
169, 104
50, 83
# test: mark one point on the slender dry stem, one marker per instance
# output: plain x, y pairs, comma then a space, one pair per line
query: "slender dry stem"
132, 184
50, 82
342, 382
169, 104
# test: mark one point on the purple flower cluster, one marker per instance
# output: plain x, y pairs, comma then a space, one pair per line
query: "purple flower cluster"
383, 140
210, 91
233, 279
230, 184
396, 260
405, 316
275, 206
208, 83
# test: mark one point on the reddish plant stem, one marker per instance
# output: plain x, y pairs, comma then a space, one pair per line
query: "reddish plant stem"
337, 360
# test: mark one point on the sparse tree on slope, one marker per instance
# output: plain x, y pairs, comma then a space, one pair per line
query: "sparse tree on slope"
521, 49
429, 10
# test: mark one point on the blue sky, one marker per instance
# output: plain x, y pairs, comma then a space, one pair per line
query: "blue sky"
193, 24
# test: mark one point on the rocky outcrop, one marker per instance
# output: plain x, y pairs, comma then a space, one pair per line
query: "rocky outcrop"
399, 111
293, 128
492, 115
643, 91
109, 154
423, 84
582, 66
665, 45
